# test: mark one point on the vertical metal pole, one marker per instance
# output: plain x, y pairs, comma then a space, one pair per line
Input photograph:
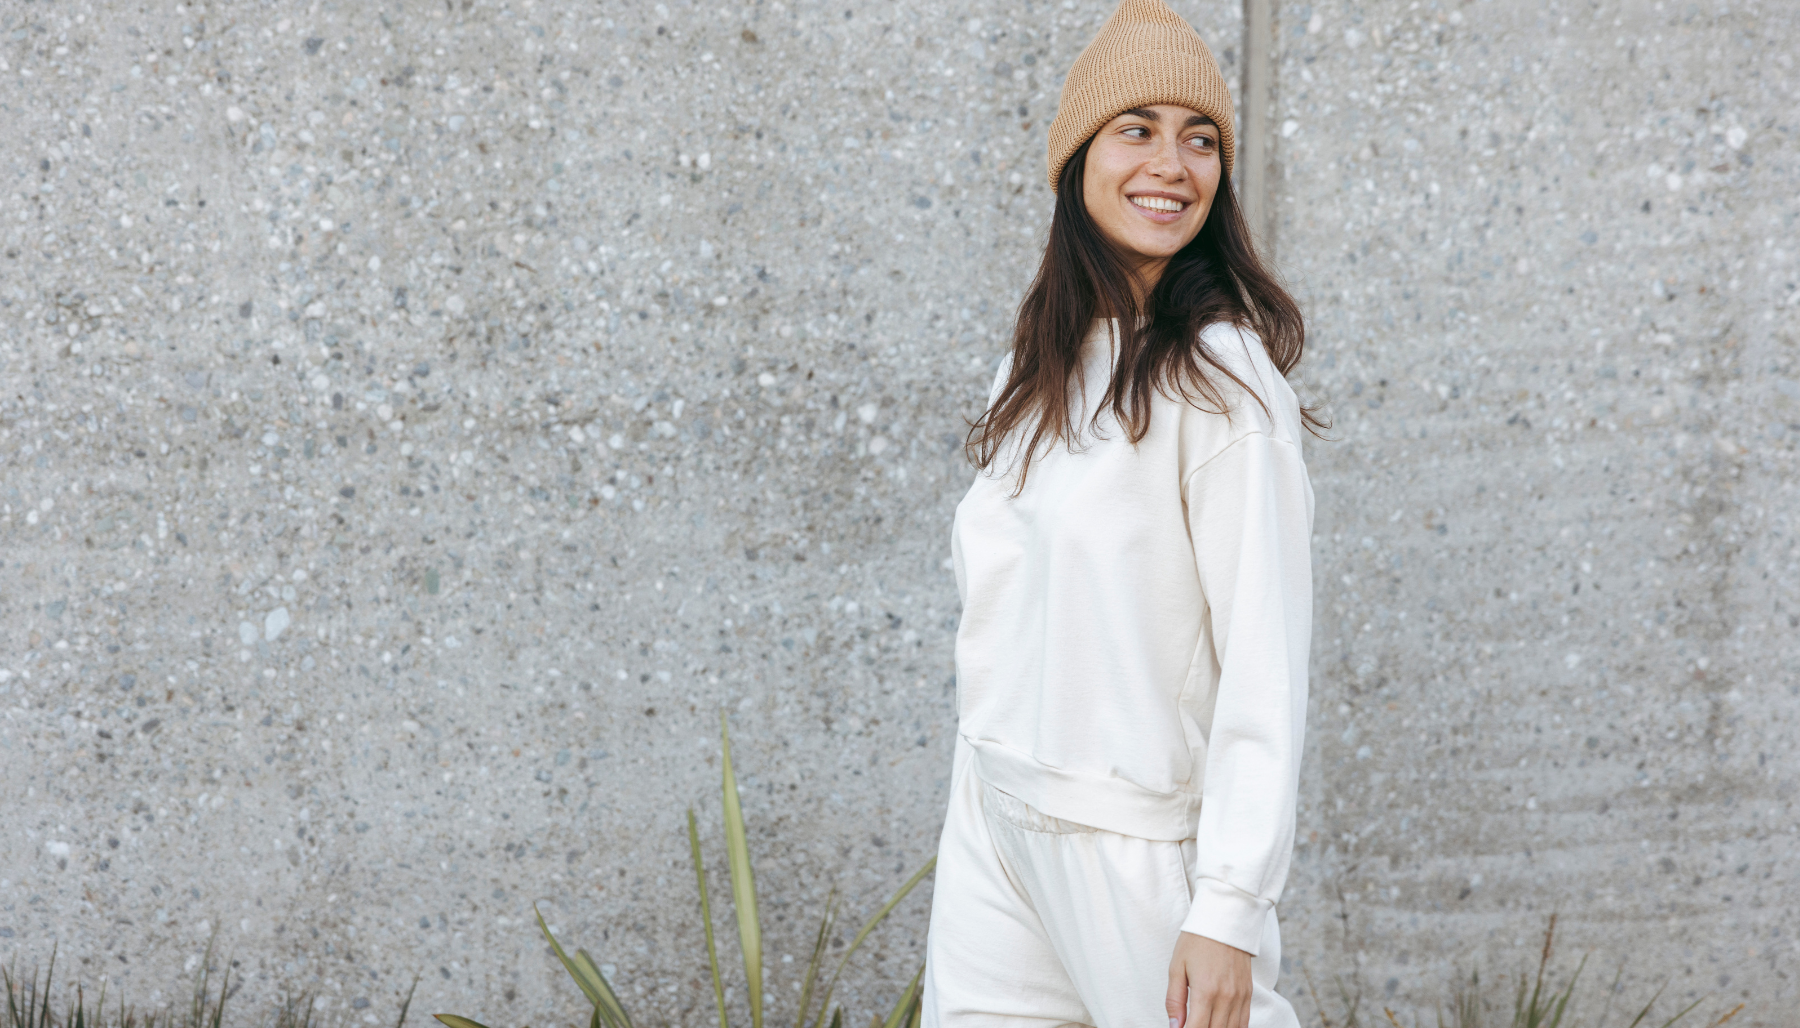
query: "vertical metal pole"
1253, 138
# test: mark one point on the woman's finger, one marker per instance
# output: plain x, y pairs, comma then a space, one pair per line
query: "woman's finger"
1225, 1008
1200, 1009
1175, 999
1232, 1010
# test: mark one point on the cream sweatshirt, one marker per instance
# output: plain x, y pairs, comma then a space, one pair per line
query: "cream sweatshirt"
1135, 629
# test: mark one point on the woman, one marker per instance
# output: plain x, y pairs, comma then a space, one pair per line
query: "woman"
1137, 589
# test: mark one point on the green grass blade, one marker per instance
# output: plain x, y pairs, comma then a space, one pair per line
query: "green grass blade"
712, 949
837, 1018
743, 883
817, 959
611, 1010
887, 908
1606, 1008
49, 976
218, 1011
1684, 1012
197, 1002
1568, 993
406, 1004
898, 1016
1646, 1011
587, 975
590, 987
12, 998
454, 1021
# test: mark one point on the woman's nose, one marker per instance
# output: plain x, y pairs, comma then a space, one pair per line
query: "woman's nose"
1165, 163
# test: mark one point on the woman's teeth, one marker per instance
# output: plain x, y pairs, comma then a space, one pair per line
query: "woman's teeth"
1157, 203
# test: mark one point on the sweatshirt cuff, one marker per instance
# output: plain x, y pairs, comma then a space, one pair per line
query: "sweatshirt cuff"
1228, 915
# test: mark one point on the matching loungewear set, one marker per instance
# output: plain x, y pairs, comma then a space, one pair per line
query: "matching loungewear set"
1131, 688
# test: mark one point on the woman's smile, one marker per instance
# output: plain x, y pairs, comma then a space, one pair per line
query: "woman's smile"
1162, 208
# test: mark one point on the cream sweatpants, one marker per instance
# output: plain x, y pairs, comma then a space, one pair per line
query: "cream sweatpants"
1038, 922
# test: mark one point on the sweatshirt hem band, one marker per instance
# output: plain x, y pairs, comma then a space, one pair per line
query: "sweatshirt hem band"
1111, 804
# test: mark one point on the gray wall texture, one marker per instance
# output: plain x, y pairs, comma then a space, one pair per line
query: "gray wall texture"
419, 419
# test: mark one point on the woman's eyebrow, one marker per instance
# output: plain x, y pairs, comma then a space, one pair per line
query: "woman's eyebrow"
1150, 115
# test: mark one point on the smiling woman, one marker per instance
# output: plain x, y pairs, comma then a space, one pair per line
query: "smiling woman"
1133, 562
1148, 234
1149, 179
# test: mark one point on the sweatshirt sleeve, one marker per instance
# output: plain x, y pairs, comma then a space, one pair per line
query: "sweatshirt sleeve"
1250, 510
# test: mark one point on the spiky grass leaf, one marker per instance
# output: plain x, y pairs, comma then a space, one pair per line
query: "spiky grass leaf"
612, 1011
590, 988
817, 959
1639, 1019
587, 975
13, 1020
1466, 1006
903, 1007
43, 1017
406, 1004
458, 1022
743, 883
1562, 1002
1684, 1012
880, 915
712, 949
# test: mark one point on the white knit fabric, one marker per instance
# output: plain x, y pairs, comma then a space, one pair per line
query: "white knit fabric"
1037, 922
1134, 640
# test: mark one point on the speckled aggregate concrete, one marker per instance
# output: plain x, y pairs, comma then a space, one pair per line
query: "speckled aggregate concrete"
1549, 255
419, 420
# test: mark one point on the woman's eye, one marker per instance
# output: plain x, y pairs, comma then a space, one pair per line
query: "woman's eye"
1138, 128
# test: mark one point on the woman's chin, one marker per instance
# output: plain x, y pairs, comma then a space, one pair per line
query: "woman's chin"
1155, 248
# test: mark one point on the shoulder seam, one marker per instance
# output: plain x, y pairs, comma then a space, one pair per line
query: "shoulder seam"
1188, 479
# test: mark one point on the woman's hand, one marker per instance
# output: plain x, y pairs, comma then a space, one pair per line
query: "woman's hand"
1209, 984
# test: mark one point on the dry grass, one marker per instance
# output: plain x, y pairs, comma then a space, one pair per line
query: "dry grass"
1534, 1004
30, 1003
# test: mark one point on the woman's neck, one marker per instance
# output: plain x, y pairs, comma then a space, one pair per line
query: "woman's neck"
1144, 277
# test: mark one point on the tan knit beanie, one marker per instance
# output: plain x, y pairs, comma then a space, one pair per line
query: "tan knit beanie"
1145, 54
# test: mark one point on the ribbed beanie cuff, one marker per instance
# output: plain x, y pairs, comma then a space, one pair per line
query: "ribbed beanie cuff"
1145, 54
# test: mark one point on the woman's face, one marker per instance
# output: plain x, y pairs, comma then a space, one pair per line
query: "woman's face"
1149, 180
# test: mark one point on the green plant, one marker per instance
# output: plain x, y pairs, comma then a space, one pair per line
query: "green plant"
1534, 1005
28, 1004
610, 1013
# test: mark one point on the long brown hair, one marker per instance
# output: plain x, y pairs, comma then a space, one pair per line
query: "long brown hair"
1217, 277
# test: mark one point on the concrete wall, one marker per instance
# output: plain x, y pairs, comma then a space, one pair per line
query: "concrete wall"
420, 419
1548, 252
